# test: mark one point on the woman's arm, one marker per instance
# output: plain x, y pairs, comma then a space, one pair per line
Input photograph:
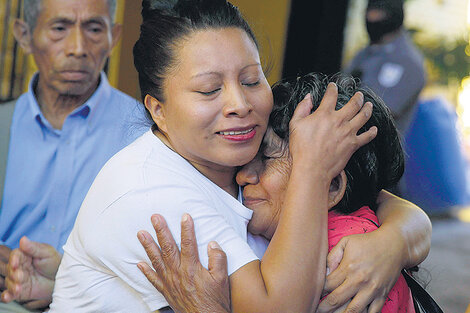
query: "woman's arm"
406, 221
290, 276
369, 264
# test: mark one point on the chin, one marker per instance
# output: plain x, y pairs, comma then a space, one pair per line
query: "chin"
74, 89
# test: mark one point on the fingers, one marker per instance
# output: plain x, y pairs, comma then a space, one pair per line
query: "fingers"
4, 253
360, 302
152, 250
336, 298
35, 249
217, 262
354, 105
169, 250
334, 257
376, 305
189, 252
330, 98
303, 109
152, 276
3, 268
7, 296
37, 304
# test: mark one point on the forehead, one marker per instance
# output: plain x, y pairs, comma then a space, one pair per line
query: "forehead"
216, 50
273, 143
73, 9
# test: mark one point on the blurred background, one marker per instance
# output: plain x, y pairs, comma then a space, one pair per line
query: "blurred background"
298, 36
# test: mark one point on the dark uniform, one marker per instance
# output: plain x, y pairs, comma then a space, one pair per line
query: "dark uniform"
391, 65
395, 72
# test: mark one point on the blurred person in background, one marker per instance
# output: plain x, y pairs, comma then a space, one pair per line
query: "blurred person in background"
390, 65
63, 130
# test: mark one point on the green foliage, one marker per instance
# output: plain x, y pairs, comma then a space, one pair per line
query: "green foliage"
446, 62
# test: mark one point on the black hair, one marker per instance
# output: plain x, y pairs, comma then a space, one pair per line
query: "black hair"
375, 166
165, 23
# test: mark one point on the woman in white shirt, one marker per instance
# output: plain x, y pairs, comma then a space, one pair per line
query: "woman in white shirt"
203, 86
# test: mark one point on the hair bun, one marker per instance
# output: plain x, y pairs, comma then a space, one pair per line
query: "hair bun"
149, 6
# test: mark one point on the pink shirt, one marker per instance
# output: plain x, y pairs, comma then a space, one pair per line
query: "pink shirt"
362, 221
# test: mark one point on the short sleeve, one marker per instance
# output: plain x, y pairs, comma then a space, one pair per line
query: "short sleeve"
114, 243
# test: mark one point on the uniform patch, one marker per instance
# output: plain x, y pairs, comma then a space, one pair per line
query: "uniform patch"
390, 74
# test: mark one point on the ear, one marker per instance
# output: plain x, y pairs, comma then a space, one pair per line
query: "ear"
116, 34
22, 35
155, 107
337, 189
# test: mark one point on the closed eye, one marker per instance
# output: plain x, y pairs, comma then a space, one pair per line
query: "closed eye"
208, 93
251, 84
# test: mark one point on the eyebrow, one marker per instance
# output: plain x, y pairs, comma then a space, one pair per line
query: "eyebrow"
69, 21
218, 74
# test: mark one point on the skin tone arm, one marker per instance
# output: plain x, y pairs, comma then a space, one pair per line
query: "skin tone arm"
402, 220
290, 276
290, 263
367, 266
296, 226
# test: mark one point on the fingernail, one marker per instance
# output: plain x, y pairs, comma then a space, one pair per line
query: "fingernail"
332, 84
307, 96
185, 217
214, 245
155, 219
141, 236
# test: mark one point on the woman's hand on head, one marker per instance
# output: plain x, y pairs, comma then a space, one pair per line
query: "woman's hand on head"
179, 276
364, 268
327, 138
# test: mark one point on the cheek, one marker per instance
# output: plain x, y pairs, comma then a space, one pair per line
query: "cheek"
198, 118
263, 101
279, 179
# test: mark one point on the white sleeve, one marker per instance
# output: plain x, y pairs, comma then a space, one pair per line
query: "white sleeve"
114, 243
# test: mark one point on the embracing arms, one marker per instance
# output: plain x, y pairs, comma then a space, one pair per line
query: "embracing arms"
368, 266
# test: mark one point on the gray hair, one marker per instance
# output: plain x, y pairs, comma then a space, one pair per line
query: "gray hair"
32, 8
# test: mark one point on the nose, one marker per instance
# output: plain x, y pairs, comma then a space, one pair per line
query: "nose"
236, 103
250, 173
76, 43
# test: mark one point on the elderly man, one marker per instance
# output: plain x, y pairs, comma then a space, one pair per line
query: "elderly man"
63, 130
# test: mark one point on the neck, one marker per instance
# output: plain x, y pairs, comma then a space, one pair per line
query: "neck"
222, 176
56, 106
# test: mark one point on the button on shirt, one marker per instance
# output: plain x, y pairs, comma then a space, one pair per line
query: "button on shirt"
49, 171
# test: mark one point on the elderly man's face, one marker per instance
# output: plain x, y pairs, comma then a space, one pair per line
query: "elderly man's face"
70, 44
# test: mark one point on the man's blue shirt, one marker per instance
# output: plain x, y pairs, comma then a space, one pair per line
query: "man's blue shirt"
49, 171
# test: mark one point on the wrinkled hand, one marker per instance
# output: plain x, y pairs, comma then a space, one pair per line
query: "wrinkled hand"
4, 257
333, 132
364, 268
179, 276
31, 274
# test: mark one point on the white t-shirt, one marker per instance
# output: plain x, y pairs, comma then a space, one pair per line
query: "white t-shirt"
99, 270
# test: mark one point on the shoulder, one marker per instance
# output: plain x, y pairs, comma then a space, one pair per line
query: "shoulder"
147, 172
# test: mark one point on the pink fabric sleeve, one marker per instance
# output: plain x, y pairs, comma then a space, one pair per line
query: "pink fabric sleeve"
362, 221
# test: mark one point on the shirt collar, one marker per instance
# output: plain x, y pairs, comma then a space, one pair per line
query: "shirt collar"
88, 110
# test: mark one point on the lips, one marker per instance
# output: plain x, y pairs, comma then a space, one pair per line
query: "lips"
238, 134
74, 75
247, 201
